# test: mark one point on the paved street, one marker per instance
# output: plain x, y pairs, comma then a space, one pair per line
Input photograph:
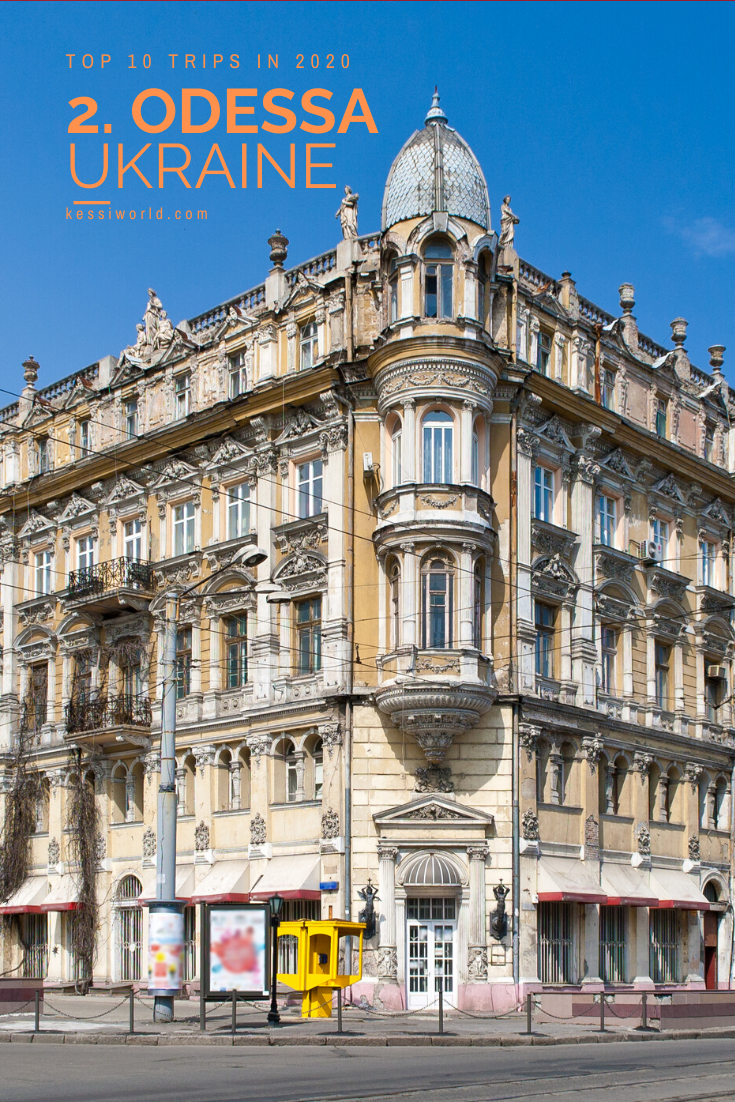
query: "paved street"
658, 1071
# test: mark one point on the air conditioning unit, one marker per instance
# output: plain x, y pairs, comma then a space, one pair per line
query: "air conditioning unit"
717, 673
652, 551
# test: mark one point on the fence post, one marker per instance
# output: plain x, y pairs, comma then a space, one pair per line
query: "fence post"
131, 1010
441, 1005
529, 1013
37, 1012
644, 1010
234, 1013
339, 1009
602, 1012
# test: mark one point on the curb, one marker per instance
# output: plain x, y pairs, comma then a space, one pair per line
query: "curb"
434, 1040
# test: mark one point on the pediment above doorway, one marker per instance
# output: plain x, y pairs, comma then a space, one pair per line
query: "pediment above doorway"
433, 811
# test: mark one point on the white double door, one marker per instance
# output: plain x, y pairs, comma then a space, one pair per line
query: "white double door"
431, 962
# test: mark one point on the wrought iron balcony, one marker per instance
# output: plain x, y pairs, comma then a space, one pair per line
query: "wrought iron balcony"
124, 710
111, 584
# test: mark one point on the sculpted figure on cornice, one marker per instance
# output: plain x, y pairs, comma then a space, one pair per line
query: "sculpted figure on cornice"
153, 335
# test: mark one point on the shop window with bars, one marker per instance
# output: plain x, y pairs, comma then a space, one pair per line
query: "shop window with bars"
612, 944
664, 947
34, 939
555, 942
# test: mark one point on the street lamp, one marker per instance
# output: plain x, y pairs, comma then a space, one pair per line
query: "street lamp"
276, 903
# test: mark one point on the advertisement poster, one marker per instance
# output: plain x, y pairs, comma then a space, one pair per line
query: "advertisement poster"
165, 950
237, 950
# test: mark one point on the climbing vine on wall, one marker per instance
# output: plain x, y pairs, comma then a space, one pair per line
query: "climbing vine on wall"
23, 790
83, 826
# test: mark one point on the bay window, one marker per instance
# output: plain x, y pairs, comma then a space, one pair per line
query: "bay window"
437, 604
438, 280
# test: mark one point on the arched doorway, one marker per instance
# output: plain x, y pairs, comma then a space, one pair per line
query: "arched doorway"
711, 929
128, 929
433, 888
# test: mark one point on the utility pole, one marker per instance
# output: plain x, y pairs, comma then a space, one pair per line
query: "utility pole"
166, 851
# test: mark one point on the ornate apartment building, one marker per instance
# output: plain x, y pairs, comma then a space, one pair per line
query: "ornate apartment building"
485, 663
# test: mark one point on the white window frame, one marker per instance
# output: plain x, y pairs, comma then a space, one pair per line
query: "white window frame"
544, 492
309, 488
44, 579
661, 533
708, 563
238, 379
238, 510
131, 418
85, 437
85, 552
132, 535
308, 344
437, 433
607, 520
183, 518
182, 394
396, 439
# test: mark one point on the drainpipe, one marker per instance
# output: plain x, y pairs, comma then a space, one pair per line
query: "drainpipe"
350, 617
512, 676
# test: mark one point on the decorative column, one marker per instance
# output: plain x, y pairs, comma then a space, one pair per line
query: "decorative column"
407, 308
610, 788
130, 798
235, 785
300, 759
409, 451
409, 634
477, 935
556, 772
583, 651
662, 798
292, 332
387, 952
650, 666
465, 432
181, 790
466, 595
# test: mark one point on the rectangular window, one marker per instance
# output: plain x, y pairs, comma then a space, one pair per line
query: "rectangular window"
310, 488
308, 345
607, 509
44, 455
85, 552
543, 494
131, 418
238, 510
664, 945
292, 779
133, 539
237, 651
437, 601
663, 655
309, 635
709, 443
184, 528
183, 663
609, 643
438, 291
478, 609
660, 424
394, 298
555, 943
660, 534
545, 618
85, 437
238, 375
612, 944
44, 581
708, 560
318, 774
182, 392
607, 388
543, 352
713, 689
438, 448
521, 341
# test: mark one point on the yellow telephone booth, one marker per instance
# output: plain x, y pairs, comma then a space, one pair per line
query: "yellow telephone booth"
310, 952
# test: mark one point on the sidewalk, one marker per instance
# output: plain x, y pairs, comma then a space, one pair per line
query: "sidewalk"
96, 1019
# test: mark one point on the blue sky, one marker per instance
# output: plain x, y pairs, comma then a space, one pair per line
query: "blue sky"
609, 124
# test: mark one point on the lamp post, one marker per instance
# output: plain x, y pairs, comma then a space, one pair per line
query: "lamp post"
276, 903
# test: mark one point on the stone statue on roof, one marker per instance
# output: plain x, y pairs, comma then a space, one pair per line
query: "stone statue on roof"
347, 214
508, 223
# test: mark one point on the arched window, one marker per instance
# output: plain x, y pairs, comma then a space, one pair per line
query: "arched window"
396, 447
482, 296
395, 606
438, 439
437, 603
478, 602
438, 280
393, 288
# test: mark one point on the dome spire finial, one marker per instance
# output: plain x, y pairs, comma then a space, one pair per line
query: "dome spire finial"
435, 112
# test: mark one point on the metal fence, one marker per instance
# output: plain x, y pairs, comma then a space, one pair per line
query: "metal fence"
104, 577
123, 710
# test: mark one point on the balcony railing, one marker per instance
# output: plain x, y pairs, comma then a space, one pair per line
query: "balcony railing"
104, 577
113, 711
